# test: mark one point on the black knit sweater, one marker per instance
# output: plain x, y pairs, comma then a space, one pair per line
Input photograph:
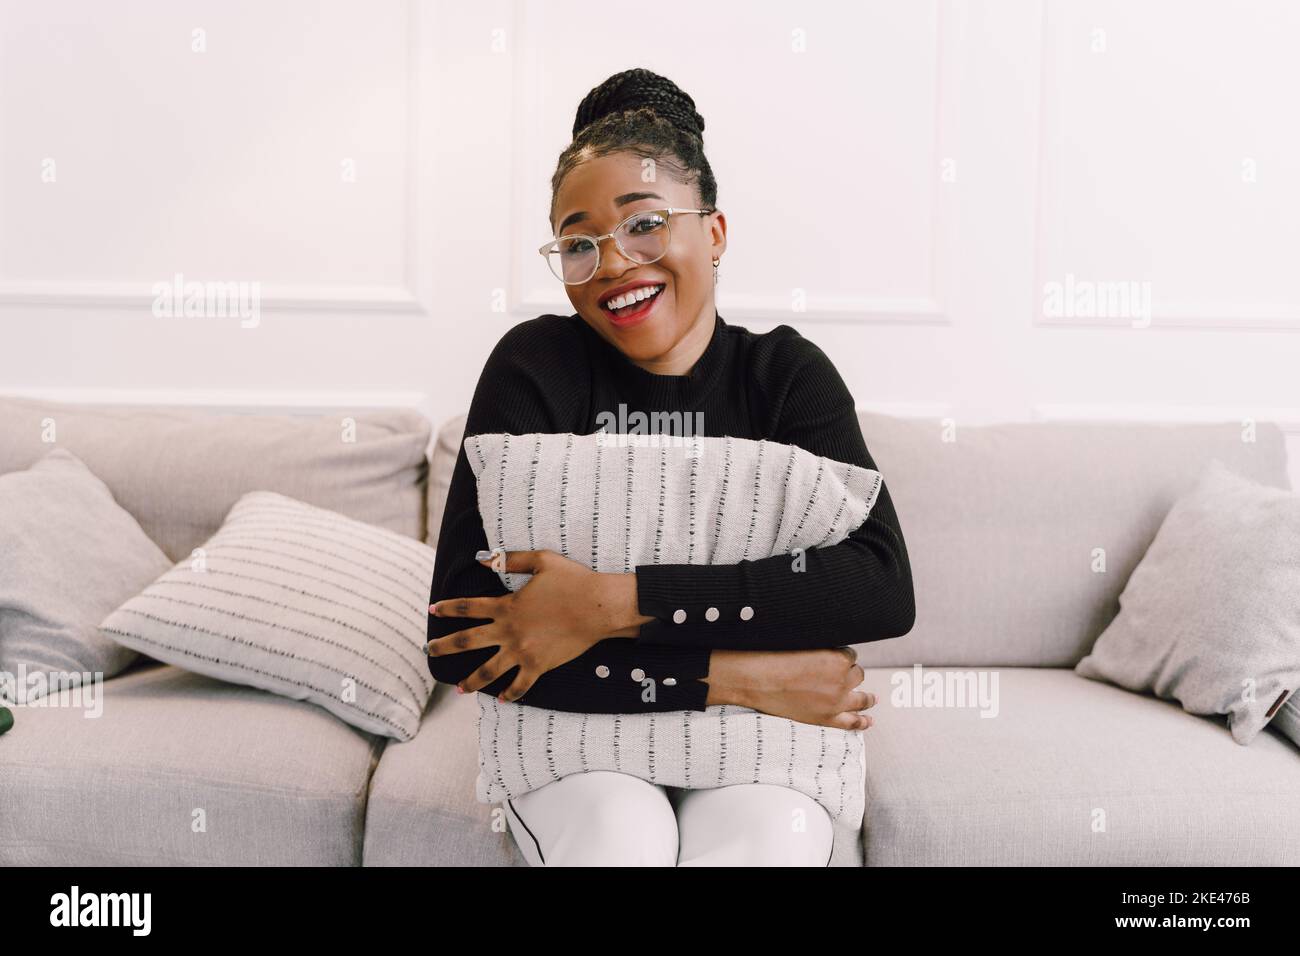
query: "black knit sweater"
556, 374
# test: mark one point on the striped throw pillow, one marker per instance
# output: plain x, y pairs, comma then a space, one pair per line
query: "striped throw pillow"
299, 601
613, 502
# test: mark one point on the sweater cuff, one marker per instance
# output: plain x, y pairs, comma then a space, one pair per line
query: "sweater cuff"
676, 672
608, 682
696, 595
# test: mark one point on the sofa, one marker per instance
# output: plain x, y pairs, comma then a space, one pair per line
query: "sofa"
1004, 524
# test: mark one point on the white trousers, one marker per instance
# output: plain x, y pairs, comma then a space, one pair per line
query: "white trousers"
604, 818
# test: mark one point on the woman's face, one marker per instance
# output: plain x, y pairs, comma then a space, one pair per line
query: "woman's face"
594, 198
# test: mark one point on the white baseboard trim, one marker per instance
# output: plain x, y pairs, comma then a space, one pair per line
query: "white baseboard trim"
1286, 417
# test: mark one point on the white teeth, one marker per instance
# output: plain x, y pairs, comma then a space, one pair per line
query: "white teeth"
636, 295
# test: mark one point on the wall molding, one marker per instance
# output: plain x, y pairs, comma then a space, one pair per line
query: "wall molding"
1180, 315
227, 399
138, 296
934, 411
276, 296
1286, 417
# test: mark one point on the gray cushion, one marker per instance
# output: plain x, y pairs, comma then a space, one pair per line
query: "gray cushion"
68, 555
1287, 719
279, 782
443, 452
1063, 756
422, 810
178, 471
300, 601
1002, 525
1209, 618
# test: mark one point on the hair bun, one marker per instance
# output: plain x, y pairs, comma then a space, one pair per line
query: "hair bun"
637, 88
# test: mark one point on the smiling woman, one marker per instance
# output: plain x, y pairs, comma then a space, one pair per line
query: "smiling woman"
638, 129
636, 238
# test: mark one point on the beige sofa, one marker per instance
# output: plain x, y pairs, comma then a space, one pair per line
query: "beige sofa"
1003, 524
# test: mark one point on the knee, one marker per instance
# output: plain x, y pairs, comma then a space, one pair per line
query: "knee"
789, 843
754, 825
625, 822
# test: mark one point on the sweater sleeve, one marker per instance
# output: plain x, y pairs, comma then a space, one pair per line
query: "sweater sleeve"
852, 592
524, 389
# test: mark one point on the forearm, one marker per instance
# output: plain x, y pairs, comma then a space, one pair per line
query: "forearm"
733, 676
730, 678
618, 675
739, 594
730, 674
857, 591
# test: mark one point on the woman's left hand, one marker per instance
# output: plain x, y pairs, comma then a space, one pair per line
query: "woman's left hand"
561, 612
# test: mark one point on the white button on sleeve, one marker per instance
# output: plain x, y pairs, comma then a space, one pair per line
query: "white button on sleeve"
746, 613
638, 674
602, 671
670, 681
711, 614
679, 616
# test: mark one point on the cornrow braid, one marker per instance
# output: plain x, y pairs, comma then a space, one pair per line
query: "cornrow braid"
646, 114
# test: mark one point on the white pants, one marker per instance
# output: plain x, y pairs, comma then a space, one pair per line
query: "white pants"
603, 818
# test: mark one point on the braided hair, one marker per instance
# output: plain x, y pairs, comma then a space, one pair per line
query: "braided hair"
646, 114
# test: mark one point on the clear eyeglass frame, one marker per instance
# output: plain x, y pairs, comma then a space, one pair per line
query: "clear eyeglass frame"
550, 250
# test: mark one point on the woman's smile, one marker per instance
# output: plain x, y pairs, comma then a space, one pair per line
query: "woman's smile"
632, 303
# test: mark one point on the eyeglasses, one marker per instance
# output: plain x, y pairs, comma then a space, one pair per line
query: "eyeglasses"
642, 238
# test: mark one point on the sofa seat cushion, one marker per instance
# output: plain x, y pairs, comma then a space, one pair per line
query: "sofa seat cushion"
277, 781
423, 810
1064, 754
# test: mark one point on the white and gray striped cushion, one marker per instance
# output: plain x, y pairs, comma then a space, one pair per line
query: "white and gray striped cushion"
613, 502
300, 601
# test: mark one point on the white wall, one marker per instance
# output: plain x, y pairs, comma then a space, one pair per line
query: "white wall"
916, 173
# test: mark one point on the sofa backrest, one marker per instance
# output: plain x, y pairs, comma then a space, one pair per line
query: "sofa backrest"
442, 462
1009, 526
178, 471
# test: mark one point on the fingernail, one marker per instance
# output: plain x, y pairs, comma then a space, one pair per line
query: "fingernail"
433, 609
459, 689
426, 649
482, 555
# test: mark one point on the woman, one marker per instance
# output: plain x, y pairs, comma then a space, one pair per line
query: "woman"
646, 336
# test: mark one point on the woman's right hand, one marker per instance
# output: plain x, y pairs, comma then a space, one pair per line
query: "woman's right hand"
810, 686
